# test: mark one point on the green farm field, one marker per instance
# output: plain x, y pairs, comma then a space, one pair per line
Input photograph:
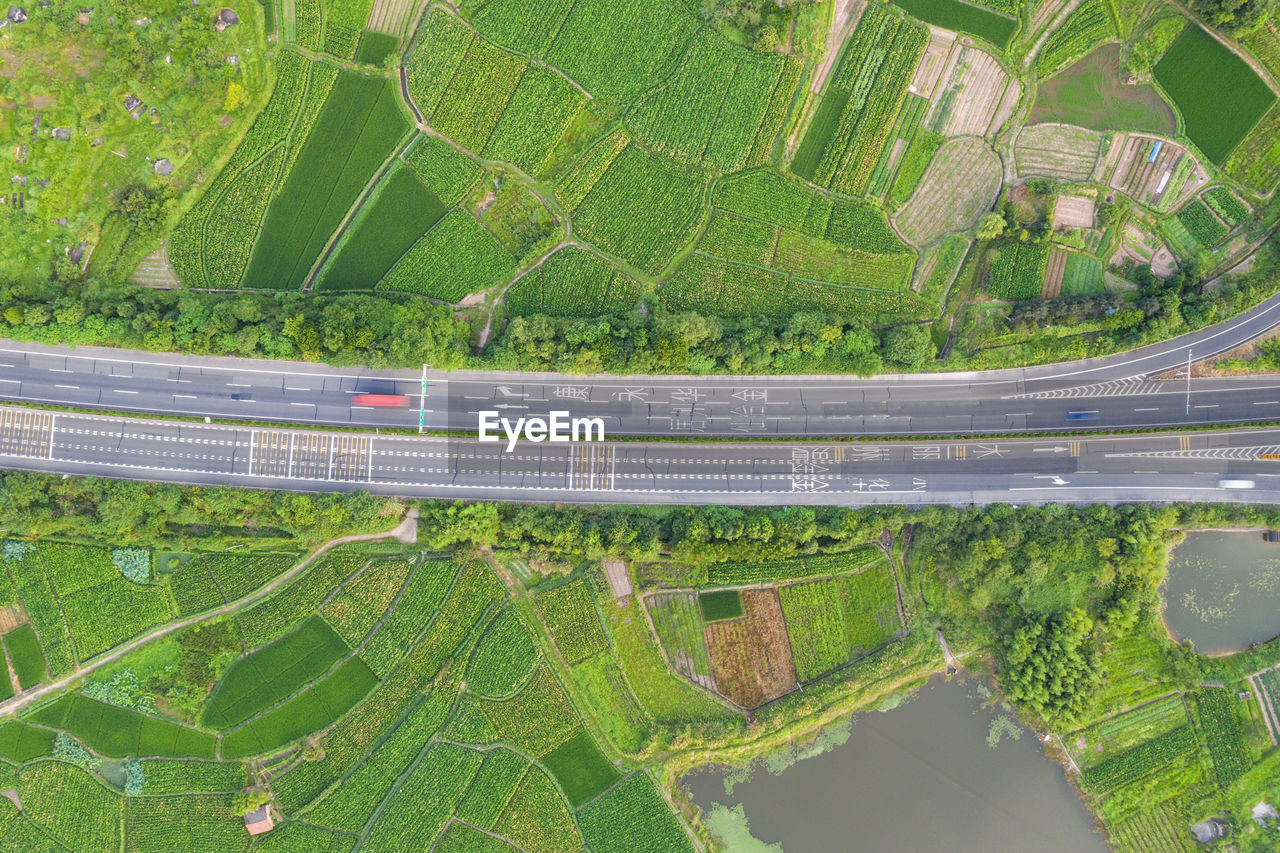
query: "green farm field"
1220, 97
354, 133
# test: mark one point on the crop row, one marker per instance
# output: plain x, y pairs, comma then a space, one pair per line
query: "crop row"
358, 606
447, 171
714, 108
78, 810
442, 42
679, 626
726, 574
537, 719
208, 580
504, 657
734, 238
308, 23
874, 122
642, 210
574, 186
422, 596
1201, 224
727, 289
42, 609
1018, 271
349, 805
478, 93
492, 788
868, 90
573, 283
474, 593
1141, 760
163, 824
536, 817
525, 27
678, 118
1088, 26
632, 816
456, 257
1222, 734
619, 50
859, 225
815, 626
416, 813
570, 614
345, 745
775, 114
818, 260
535, 118
1229, 208
177, 776
272, 617
772, 197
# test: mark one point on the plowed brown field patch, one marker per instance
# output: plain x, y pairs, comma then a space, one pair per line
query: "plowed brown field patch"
751, 657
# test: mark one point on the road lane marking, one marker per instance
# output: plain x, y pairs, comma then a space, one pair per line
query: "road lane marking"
69, 387
122, 391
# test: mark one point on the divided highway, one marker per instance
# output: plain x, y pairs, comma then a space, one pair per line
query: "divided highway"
272, 397
1113, 392
812, 472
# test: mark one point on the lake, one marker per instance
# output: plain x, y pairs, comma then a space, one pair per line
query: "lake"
919, 777
1223, 591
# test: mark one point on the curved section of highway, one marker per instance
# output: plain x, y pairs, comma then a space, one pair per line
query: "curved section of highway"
1113, 392
1105, 468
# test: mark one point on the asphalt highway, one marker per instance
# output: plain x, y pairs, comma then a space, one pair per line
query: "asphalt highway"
1114, 392
1103, 468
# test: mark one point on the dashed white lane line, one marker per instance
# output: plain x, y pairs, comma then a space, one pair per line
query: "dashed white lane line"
69, 387
123, 391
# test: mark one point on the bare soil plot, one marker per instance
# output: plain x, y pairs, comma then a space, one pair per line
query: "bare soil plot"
1073, 211
1057, 151
619, 580
393, 17
1007, 106
961, 182
932, 63
1147, 166
1053, 272
751, 657
155, 271
974, 90
1143, 247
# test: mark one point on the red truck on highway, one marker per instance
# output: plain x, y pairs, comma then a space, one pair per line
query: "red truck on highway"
393, 400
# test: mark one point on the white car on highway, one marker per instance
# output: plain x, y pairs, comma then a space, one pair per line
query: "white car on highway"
1236, 484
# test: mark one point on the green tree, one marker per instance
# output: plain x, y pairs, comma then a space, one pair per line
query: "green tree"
909, 346
1051, 666
990, 226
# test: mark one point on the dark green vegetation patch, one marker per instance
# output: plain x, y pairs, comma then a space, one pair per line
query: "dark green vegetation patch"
402, 212
375, 47
721, 604
24, 653
1220, 97
23, 741
119, 732
274, 672
964, 17
310, 711
504, 657
580, 768
354, 133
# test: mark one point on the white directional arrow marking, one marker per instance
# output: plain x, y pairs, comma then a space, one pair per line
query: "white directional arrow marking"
1049, 450
506, 391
